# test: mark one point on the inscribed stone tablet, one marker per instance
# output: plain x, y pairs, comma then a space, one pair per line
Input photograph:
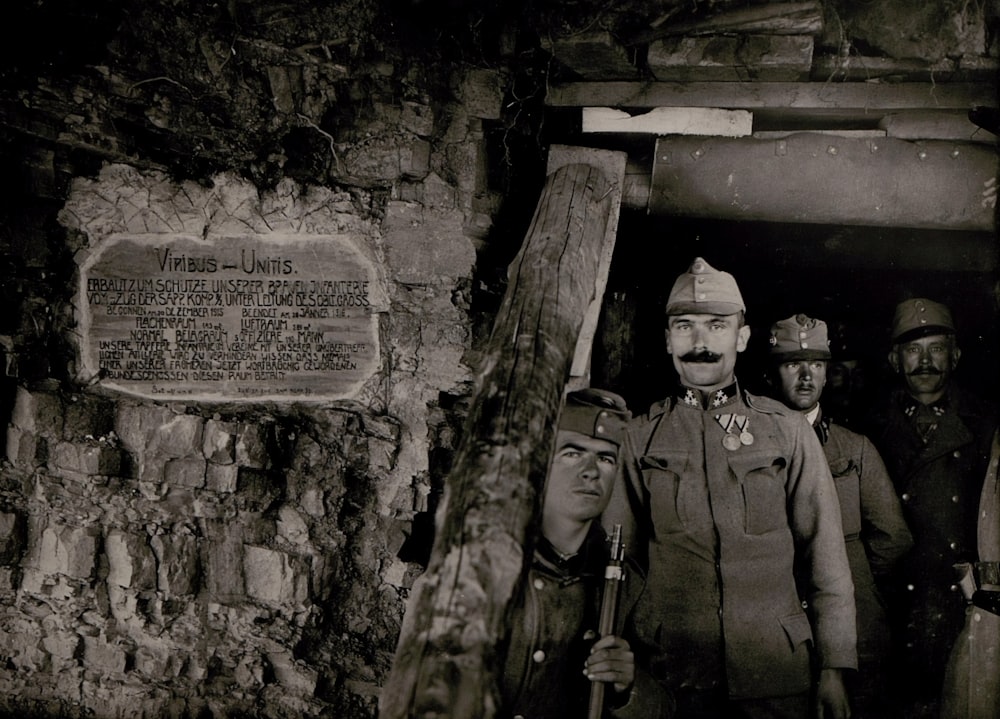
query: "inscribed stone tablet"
234, 318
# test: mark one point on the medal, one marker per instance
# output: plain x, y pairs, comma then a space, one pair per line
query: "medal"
746, 438
731, 442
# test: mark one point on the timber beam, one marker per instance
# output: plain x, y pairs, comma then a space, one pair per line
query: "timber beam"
781, 103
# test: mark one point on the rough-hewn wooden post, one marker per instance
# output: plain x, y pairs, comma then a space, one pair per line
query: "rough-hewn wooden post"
447, 660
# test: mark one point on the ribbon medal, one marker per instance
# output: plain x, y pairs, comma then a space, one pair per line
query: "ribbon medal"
737, 427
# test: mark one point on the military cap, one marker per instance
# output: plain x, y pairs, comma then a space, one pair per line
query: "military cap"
799, 338
705, 290
596, 413
920, 317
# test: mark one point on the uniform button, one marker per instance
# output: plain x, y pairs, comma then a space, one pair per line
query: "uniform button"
519, 716
909, 587
954, 498
805, 604
538, 657
539, 584
906, 497
977, 617
953, 545
956, 454
701, 280
953, 587
702, 295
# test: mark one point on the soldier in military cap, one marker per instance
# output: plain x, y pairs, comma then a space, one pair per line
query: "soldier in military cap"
723, 494
935, 440
552, 657
875, 532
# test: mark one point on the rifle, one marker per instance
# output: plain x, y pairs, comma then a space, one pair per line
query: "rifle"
613, 577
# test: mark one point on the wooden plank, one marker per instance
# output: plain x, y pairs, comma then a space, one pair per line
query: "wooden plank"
813, 178
613, 165
873, 98
730, 58
450, 642
669, 121
935, 125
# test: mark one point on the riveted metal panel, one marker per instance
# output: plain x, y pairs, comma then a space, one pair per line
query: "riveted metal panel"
816, 178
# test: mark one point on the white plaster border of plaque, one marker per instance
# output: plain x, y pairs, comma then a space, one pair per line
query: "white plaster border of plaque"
256, 317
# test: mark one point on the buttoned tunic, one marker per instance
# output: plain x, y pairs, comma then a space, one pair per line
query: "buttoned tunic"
554, 624
723, 529
939, 481
876, 537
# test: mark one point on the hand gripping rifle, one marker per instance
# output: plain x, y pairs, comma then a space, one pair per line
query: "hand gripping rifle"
613, 578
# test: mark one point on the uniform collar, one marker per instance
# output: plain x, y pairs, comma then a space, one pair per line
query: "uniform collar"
716, 399
589, 560
913, 408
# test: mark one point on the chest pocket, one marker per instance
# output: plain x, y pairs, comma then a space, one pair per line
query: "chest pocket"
847, 478
762, 479
670, 498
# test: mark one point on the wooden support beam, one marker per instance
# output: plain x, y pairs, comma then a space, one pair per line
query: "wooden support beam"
729, 58
817, 178
790, 102
786, 18
448, 650
613, 164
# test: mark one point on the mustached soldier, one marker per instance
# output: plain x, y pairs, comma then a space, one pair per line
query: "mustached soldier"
724, 494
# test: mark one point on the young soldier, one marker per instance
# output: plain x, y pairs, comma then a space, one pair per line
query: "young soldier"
552, 658
875, 533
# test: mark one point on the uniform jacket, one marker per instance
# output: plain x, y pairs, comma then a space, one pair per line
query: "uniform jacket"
723, 529
875, 533
972, 679
553, 627
939, 482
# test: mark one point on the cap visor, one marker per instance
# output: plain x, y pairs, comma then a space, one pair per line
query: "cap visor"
918, 332
704, 308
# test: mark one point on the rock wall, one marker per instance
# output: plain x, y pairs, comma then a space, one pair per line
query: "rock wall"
169, 559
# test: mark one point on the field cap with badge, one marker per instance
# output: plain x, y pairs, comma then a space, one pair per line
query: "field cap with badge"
799, 337
705, 290
919, 317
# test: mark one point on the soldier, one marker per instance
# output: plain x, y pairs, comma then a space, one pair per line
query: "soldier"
552, 657
725, 492
972, 679
935, 440
875, 533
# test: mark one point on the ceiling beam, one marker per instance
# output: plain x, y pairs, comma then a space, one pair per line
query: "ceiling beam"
845, 102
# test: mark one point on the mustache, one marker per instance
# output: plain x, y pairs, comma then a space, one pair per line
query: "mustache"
705, 356
925, 370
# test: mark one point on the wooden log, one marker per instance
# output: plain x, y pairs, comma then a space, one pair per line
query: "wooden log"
448, 652
791, 18
728, 58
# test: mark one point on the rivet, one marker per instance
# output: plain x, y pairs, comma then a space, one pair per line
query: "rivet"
697, 153
831, 150
955, 152
922, 154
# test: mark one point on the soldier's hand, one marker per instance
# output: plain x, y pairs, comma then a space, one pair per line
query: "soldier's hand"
611, 660
831, 696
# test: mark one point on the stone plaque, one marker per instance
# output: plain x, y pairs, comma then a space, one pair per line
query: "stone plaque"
249, 318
